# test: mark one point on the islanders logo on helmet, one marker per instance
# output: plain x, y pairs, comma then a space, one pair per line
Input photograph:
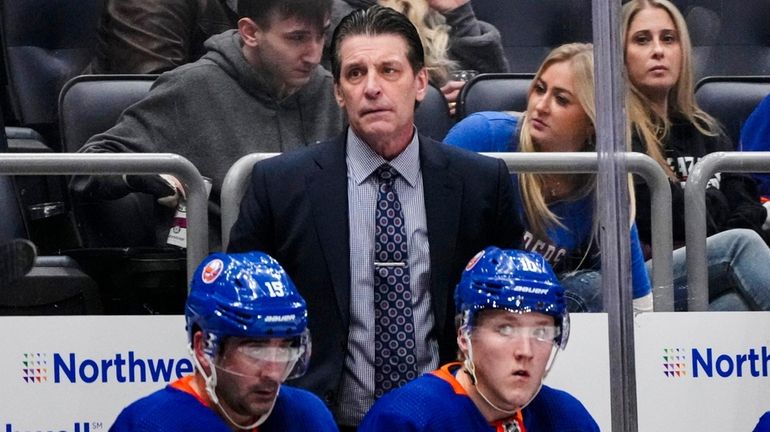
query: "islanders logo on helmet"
247, 295
212, 270
513, 280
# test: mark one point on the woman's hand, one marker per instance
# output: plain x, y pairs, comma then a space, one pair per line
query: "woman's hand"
451, 92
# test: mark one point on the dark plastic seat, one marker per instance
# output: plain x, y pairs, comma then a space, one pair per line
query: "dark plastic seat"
494, 92
91, 104
46, 42
531, 28
88, 105
55, 285
122, 249
731, 99
729, 38
432, 115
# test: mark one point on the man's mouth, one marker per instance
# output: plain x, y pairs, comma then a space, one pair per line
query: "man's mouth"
521, 373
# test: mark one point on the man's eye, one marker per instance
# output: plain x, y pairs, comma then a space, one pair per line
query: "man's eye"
354, 73
298, 38
506, 330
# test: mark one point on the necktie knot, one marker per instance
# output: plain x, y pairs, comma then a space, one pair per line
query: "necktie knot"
386, 173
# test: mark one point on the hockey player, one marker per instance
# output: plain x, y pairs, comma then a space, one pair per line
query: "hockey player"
247, 329
512, 321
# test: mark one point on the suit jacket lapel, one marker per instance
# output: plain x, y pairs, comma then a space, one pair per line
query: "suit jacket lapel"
328, 190
443, 194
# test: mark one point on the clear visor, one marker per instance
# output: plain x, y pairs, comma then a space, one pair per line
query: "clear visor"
272, 354
544, 334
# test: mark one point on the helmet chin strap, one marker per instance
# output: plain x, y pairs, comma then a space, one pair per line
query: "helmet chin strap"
470, 368
211, 384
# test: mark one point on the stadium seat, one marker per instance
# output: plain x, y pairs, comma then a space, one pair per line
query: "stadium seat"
531, 28
46, 42
88, 105
494, 92
432, 115
731, 99
55, 285
123, 249
729, 38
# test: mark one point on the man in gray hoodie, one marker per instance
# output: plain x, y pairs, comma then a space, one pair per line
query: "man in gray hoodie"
257, 89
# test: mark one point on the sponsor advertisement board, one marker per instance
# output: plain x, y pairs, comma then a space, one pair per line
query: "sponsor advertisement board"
695, 371
75, 374
702, 371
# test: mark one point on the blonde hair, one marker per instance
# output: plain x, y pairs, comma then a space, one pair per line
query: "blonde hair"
581, 59
434, 35
651, 127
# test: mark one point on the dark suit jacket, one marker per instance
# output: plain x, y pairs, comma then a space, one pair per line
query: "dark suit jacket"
296, 209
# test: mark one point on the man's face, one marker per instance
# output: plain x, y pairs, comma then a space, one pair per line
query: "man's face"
509, 358
250, 372
288, 51
378, 88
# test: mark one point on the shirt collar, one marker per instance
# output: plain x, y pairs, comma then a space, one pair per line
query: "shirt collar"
363, 161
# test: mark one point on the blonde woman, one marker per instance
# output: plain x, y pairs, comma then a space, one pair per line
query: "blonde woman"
671, 128
558, 208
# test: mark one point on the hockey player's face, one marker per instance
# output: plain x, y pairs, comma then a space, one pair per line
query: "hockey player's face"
510, 354
247, 384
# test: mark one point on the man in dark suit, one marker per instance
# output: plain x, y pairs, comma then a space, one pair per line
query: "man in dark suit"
378, 223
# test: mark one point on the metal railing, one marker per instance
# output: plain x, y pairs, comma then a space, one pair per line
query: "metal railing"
233, 187
236, 182
695, 215
136, 163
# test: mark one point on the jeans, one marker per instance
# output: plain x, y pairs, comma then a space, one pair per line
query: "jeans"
583, 291
738, 263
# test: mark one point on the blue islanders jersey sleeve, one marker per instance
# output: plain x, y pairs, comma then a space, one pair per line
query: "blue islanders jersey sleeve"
639, 277
486, 131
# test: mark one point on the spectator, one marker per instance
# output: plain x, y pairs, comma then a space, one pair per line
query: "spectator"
155, 36
755, 136
258, 89
558, 208
674, 131
452, 37
245, 343
325, 212
512, 321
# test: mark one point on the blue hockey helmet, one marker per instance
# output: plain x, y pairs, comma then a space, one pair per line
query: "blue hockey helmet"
246, 295
512, 280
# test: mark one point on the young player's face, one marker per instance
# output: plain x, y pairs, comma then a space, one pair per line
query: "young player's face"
378, 89
653, 52
557, 120
249, 374
510, 354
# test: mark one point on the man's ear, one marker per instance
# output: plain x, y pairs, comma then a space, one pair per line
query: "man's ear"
338, 95
198, 345
421, 84
250, 32
462, 340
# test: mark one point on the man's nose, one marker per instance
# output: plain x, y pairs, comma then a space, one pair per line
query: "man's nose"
314, 51
523, 346
373, 88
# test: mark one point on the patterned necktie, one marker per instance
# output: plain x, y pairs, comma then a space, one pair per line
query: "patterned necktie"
394, 360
